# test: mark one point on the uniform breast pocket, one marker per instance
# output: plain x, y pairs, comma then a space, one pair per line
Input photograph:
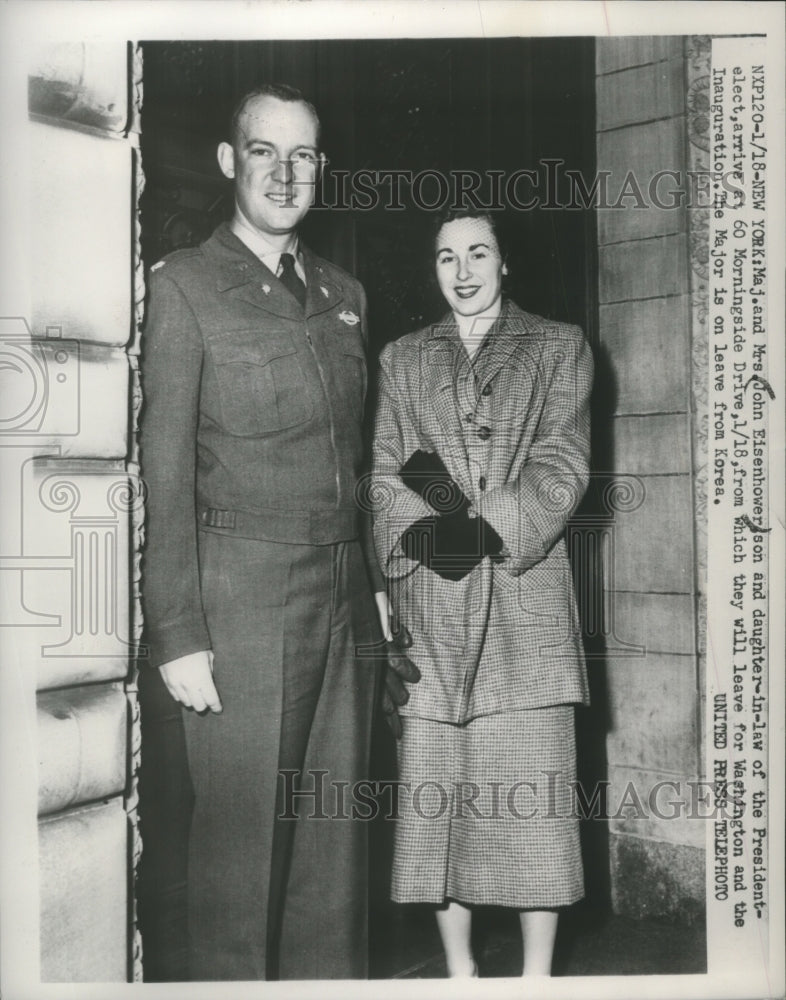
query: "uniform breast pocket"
261, 385
349, 365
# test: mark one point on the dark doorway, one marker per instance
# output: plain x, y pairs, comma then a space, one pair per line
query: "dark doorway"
491, 108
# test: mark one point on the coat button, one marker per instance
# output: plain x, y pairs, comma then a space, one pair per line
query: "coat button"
468, 417
486, 390
482, 482
484, 433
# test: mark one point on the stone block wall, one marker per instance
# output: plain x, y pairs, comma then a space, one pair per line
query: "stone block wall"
72, 484
652, 329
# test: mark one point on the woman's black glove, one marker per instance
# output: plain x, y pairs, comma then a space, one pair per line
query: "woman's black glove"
426, 474
451, 545
399, 669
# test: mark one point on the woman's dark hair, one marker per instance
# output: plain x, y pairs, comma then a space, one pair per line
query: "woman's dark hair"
452, 214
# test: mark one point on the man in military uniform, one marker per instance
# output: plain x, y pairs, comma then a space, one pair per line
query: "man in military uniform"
257, 590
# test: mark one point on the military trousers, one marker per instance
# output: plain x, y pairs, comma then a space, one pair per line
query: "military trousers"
272, 897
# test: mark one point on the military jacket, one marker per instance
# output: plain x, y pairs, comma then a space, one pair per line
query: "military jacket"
252, 418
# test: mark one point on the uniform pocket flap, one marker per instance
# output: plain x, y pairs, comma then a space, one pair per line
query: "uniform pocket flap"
351, 345
250, 347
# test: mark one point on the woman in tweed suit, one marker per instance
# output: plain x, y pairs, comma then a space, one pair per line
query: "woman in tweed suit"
480, 457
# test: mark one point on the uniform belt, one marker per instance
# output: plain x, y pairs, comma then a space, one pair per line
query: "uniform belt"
299, 527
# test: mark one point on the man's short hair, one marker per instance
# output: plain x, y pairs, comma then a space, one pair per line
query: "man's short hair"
282, 92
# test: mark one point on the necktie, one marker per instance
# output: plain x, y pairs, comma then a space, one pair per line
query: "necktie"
290, 280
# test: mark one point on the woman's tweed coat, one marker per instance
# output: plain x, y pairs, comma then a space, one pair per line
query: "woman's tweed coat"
513, 430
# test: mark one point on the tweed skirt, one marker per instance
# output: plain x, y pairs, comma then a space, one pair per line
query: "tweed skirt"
486, 811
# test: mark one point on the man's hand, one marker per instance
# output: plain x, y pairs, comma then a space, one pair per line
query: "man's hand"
189, 679
399, 668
